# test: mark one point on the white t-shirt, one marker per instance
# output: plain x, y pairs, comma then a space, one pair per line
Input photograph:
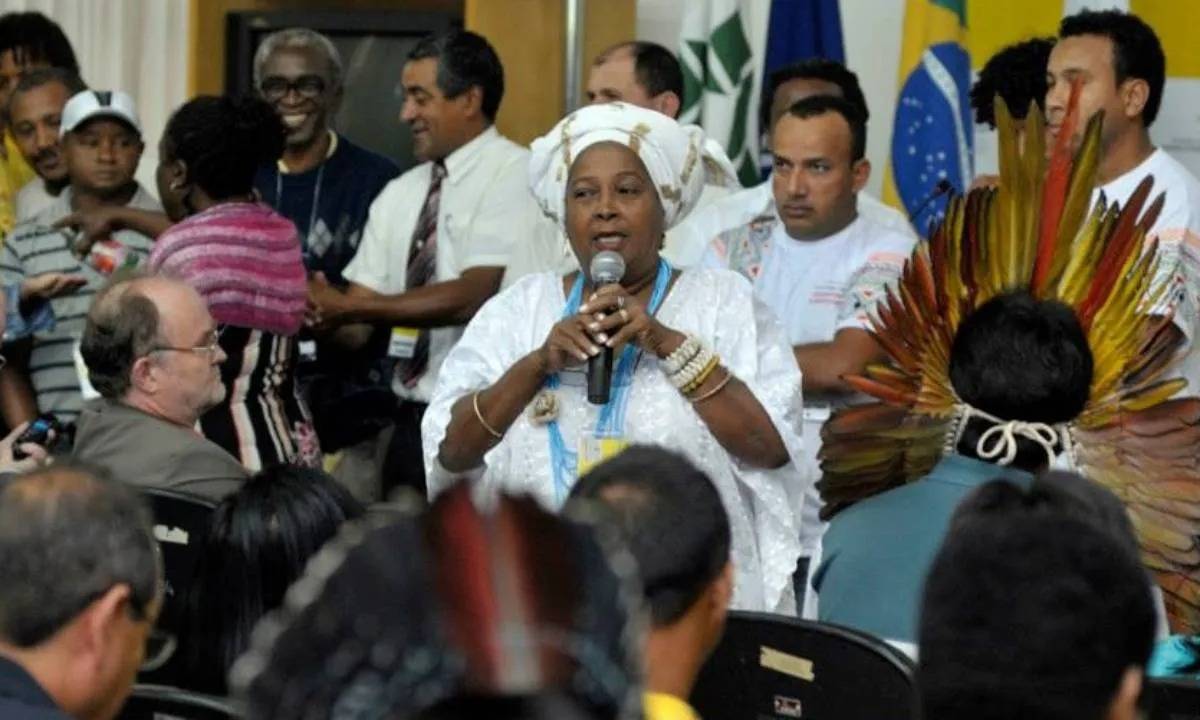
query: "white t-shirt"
815, 288
32, 199
818, 287
484, 206
693, 235
1178, 233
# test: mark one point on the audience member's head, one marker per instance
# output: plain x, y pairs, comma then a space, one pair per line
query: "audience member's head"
260, 539
671, 519
102, 143
1018, 74
791, 84
31, 40
819, 164
82, 586
35, 112
211, 149
639, 73
1119, 62
460, 601
453, 84
1019, 358
1036, 607
299, 72
152, 344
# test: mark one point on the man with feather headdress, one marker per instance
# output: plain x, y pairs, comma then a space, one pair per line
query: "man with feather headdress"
1035, 245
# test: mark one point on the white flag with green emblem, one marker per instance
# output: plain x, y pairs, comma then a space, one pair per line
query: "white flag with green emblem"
721, 48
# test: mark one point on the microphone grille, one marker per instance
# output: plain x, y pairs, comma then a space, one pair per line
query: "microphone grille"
607, 267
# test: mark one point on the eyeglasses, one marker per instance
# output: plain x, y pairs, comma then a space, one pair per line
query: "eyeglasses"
308, 87
160, 646
211, 348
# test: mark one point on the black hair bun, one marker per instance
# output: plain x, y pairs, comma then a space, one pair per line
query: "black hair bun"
259, 131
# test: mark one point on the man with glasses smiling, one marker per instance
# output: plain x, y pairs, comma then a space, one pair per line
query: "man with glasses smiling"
81, 585
325, 184
151, 351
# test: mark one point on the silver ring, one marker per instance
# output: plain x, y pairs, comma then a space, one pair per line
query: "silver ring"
620, 302
624, 315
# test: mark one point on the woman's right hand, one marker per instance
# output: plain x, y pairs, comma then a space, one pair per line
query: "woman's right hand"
569, 344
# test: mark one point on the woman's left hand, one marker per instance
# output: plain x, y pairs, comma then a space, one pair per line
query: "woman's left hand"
624, 319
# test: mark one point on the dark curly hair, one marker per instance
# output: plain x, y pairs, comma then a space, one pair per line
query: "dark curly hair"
1018, 74
223, 141
1137, 53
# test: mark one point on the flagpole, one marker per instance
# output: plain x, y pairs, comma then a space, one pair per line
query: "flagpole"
573, 60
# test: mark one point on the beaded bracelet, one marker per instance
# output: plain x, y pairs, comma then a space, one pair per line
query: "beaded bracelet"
682, 355
708, 369
692, 370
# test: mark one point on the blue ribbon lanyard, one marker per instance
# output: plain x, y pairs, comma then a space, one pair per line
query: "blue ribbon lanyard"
611, 421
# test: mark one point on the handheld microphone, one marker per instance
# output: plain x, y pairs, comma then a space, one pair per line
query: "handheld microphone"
607, 267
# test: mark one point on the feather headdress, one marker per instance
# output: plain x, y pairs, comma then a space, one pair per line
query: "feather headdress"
1037, 232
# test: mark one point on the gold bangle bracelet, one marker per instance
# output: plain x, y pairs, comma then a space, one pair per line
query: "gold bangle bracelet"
479, 417
702, 376
720, 386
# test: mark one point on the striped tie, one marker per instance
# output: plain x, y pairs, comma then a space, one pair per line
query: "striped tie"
422, 261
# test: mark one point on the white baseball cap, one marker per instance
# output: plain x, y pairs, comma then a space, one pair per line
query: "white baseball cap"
84, 106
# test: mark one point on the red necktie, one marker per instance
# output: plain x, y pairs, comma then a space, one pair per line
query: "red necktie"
422, 262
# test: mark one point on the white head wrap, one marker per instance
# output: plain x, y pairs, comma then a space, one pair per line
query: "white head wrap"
679, 158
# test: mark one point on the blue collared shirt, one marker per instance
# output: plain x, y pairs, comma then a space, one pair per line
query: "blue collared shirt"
878, 552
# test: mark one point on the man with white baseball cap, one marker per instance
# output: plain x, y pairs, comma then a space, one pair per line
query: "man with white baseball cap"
101, 144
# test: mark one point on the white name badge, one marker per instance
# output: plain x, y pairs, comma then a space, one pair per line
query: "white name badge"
308, 350
403, 343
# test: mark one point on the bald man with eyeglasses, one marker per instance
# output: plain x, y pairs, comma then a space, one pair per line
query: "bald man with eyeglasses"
152, 353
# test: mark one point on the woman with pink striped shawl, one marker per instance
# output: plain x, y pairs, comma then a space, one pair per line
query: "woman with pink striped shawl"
245, 261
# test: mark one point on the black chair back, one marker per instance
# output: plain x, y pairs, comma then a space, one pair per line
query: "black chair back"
162, 702
773, 666
180, 524
1172, 699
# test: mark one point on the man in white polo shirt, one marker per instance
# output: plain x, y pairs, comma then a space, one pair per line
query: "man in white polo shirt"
1121, 68
438, 237
819, 263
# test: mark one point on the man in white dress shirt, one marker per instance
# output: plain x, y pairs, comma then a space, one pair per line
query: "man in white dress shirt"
1121, 68
818, 263
438, 237
786, 87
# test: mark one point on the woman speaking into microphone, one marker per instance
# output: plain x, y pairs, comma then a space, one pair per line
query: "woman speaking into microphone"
696, 366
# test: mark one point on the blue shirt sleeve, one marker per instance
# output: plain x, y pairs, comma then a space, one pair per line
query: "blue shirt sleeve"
19, 326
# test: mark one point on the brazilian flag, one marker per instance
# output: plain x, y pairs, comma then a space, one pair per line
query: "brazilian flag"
933, 131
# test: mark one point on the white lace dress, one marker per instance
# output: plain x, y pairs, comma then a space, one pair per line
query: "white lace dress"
717, 306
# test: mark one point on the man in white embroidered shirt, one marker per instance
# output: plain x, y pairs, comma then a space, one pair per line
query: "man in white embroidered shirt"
1119, 64
438, 237
818, 262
